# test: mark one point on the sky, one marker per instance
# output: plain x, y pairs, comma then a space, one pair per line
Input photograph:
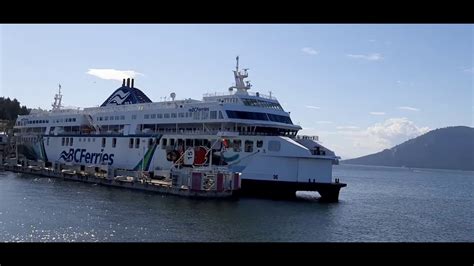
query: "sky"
361, 88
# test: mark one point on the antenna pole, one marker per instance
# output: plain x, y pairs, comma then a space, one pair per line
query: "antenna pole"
237, 66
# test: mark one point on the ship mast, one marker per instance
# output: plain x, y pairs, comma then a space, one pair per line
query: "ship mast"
57, 100
239, 76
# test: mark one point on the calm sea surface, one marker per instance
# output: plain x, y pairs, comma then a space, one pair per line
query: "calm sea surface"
379, 204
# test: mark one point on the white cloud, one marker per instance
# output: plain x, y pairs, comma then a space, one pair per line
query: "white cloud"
369, 57
395, 131
408, 108
352, 143
309, 50
312, 107
324, 122
347, 127
113, 74
377, 113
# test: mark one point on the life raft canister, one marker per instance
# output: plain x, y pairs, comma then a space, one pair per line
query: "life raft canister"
200, 155
189, 157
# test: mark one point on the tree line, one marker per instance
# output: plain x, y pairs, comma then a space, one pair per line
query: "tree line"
10, 109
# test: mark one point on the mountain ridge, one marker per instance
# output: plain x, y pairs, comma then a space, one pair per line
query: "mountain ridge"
442, 148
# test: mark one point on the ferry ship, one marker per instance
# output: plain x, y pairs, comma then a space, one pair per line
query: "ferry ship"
254, 135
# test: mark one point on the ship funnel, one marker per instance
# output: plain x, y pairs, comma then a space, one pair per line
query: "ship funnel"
123, 83
133, 81
128, 82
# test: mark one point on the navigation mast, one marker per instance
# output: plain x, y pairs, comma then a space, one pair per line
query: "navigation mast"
57, 100
239, 76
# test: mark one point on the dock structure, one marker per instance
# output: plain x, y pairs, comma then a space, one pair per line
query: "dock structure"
199, 184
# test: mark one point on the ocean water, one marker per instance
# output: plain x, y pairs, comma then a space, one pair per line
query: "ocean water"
379, 204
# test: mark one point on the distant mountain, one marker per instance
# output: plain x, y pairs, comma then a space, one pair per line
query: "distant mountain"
444, 148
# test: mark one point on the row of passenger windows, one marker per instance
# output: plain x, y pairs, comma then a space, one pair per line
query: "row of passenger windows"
112, 117
259, 116
37, 121
236, 144
198, 115
44, 121
61, 120
260, 103
65, 141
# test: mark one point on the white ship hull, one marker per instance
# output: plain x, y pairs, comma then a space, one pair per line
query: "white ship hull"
291, 163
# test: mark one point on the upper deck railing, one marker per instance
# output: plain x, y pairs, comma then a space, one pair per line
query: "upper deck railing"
256, 94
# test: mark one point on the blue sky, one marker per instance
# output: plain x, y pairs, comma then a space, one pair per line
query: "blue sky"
361, 88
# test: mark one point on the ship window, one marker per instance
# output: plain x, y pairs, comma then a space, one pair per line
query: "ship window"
197, 142
122, 117
213, 115
280, 118
196, 115
167, 115
220, 115
111, 117
106, 118
71, 142
248, 146
173, 115
134, 116
237, 145
147, 116
117, 117
153, 116
130, 143
171, 142
274, 145
159, 115
180, 142
259, 143
114, 142
189, 143
47, 141
80, 139
163, 143
187, 114
150, 142
137, 143
205, 115
103, 142
74, 119
67, 141
181, 115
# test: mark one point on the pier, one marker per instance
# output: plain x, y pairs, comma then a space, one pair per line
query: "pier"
199, 184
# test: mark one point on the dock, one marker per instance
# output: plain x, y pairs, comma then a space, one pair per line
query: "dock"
195, 187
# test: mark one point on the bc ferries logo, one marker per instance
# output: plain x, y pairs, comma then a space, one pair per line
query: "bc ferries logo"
197, 109
81, 155
119, 97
